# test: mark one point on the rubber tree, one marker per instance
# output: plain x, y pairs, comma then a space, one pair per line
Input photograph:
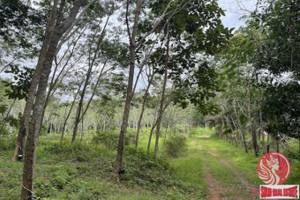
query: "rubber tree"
61, 20
134, 44
189, 74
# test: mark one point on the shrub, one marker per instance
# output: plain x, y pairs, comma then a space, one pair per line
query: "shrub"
110, 140
141, 167
7, 143
107, 139
79, 151
130, 137
174, 146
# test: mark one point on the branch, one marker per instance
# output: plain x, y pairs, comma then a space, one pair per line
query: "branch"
94, 91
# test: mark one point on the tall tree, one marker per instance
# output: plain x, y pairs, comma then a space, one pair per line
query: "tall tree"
134, 45
196, 31
60, 23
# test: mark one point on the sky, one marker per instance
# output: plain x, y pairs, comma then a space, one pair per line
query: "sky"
234, 10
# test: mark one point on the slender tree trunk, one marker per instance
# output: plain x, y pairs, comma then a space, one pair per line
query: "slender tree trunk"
35, 122
57, 29
115, 175
81, 135
119, 160
143, 110
244, 141
262, 131
80, 104
150, 136
268, 143
18, 153
20, 144
236, 130
263, 141
161, 108
69, 113
254, 138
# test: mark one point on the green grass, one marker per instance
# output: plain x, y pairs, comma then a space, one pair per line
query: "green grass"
245, 163
82, 171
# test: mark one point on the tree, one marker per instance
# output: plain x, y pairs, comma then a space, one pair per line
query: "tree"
189, 43
277, 55
60, 22
134, 45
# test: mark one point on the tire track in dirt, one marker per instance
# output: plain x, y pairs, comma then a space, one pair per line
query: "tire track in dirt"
216, 188
245, 184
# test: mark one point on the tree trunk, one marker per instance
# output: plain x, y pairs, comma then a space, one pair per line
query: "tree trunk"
268, 143
277, 145
263, 141
56, 30
161, 108
80, 104
81, 135
150, 136
35, 122
20, 144
115, 175
245, 143
143, 110
119, 160
69, 113
92, 60
254, 138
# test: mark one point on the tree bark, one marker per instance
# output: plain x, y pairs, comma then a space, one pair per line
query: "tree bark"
58, 28
69, 113
150, 136
92, 60
268, 143
241, 131
161, 108
18, 153
142, 111
115, 175
35, 123
262, 131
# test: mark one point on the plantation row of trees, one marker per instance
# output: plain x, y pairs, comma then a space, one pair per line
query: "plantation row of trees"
93, 56
260, 96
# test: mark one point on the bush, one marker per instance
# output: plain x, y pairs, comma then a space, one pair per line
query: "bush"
174, 146
107, 139
130, 137
79, 151
7, 143
142, 168
110, 140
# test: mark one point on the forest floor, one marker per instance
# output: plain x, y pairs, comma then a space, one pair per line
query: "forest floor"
209, 169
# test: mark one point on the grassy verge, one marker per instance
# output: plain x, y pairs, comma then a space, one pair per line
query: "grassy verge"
82, 171
245, 163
